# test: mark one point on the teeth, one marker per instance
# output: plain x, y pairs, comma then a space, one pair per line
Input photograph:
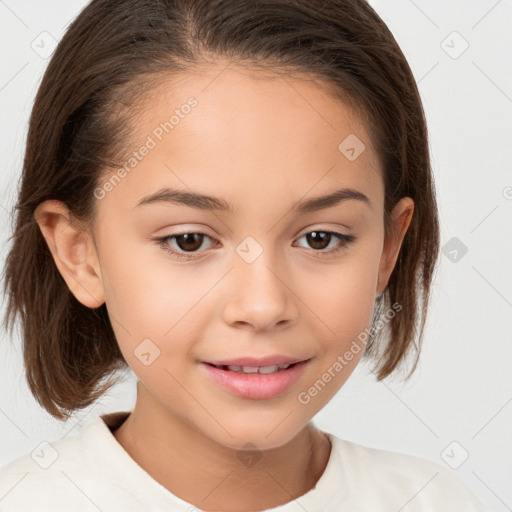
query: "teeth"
269, 369
257, 369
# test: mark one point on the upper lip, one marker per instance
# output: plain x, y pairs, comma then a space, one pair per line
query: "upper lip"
257, 361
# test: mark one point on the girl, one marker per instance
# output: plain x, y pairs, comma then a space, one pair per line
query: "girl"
234, 199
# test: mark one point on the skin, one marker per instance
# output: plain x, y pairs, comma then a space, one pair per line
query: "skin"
251, 141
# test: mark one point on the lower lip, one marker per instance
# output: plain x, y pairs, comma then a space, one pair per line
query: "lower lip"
257, 386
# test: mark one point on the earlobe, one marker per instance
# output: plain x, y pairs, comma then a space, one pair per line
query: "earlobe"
401, 216
73, 252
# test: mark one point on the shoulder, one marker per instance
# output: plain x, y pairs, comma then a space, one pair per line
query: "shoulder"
399, 479
48, 455
55, 476
47, 472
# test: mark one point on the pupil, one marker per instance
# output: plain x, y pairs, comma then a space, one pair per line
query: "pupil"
322, 235
190, 239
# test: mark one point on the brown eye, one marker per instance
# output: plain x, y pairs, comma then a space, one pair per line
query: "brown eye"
318, 239
327, 242
185, 245
189, 241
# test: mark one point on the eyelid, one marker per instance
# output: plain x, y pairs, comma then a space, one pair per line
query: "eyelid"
161, 241
339, 228
345, 240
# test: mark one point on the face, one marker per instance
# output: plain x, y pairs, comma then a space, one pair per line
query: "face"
250, 274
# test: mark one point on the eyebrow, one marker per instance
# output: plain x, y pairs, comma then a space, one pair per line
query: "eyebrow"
210, 203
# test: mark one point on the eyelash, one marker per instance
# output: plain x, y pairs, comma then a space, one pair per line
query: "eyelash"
345, 241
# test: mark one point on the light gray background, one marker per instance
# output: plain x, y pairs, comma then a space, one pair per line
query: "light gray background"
459, 401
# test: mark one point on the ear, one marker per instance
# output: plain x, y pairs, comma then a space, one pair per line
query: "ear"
401, 216
73, 251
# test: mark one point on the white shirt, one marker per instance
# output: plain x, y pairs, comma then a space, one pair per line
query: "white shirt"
91, 472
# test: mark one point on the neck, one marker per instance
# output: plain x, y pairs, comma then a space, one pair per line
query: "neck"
212, 476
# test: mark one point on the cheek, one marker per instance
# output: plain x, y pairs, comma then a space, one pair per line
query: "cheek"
343, 313
344, 294
142, 289
151, 298
344, 303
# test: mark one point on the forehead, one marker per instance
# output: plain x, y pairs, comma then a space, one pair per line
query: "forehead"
254, 99
229, 128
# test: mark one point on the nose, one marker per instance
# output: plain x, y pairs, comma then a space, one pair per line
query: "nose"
260, 294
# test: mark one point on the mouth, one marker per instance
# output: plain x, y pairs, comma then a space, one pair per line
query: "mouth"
256, 382
255, 369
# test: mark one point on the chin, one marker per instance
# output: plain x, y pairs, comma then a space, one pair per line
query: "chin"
257, 435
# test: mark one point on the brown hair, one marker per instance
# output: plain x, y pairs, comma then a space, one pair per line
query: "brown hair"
110, 55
